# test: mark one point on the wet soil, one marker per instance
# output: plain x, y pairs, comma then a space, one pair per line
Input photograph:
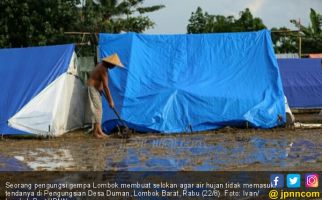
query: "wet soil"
226, 149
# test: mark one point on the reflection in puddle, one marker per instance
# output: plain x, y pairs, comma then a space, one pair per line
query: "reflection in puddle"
167, 155
12, 164
199, 152
48, 159
305, 151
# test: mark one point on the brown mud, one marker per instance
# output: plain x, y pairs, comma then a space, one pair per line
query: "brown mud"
224, 149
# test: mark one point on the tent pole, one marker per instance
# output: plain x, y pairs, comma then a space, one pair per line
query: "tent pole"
49, 131
190, 127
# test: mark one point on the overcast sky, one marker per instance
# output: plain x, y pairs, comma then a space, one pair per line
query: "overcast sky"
275, 13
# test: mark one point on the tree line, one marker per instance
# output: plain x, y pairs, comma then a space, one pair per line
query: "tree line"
26, 23
284, 40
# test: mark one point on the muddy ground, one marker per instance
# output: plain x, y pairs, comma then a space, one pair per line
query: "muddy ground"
224, 149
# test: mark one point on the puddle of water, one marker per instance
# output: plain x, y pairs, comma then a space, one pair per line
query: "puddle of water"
12, 164
305, 151
47, 159
176, 154
200, 152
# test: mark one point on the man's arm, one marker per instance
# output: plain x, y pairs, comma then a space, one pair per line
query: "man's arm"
107, 89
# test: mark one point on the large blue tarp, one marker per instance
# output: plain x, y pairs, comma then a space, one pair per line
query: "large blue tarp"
194, 82
24, 73
302, 82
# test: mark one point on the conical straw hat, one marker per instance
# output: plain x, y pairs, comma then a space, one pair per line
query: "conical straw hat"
113, 59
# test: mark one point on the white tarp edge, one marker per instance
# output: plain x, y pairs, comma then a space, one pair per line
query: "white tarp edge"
290, 116
57, 109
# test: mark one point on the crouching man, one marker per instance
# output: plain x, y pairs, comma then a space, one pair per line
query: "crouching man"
97, 85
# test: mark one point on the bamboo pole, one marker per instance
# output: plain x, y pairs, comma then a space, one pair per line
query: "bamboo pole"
300, 46
285, 31
78, 33
300, 39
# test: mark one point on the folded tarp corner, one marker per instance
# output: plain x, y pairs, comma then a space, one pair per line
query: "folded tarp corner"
40, 91
179, 83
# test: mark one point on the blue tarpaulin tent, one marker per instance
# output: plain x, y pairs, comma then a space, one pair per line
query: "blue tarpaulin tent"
179, 83
36, 90
302, 82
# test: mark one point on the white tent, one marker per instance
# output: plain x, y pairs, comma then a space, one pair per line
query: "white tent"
59, 106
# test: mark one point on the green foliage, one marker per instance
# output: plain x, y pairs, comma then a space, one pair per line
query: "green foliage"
286, 41
113, 17
247, 22
34, 22
201, 22
43, 22
311, 35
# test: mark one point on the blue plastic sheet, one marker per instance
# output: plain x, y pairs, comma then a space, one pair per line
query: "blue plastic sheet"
302, 82
183, 83
24, 73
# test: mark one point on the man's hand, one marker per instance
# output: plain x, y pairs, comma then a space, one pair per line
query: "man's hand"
111, 104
